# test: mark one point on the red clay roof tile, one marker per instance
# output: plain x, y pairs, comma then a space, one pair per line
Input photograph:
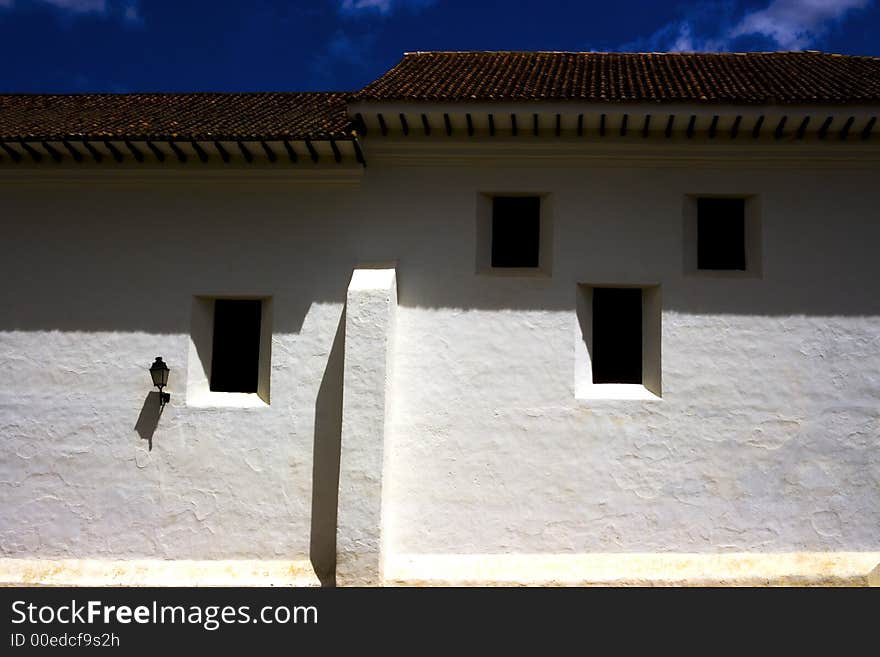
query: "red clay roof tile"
182, 115
736, 78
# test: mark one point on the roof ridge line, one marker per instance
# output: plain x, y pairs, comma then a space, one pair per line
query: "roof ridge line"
171, 93
634, 52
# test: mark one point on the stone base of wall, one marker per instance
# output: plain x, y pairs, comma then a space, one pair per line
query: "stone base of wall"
149, 572
657, 569
740, 569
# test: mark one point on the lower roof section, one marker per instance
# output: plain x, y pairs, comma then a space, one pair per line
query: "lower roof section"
179, 116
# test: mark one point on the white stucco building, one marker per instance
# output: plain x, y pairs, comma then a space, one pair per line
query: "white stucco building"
496, 318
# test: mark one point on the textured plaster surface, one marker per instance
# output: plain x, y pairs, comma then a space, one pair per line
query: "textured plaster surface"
740, 454
78, 475
765, 440
217, 483
369, 343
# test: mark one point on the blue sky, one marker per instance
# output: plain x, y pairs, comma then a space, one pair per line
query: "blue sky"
285, 45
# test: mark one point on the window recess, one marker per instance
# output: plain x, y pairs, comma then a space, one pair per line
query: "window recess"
229, 361
722, 236
617, 350
514, 234
235, 357
516, 231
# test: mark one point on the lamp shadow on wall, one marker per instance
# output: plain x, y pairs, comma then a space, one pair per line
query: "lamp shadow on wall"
325, 467
148, 420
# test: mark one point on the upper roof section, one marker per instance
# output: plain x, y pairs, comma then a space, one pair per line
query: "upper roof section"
724, 78
208, 116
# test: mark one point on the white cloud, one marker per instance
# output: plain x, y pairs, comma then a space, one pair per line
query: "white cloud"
348, 49
382, 7
795, 24
352, 6
677, 36
713, 27
684, 40
343, 52
130, 14
126, 10
80, 6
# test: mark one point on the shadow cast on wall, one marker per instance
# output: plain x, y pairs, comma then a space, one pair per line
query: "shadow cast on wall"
300, 249
148, 419
325, 468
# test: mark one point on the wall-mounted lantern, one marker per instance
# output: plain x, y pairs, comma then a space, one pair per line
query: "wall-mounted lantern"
159, 371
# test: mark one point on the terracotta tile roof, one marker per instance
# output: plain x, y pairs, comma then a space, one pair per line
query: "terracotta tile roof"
182, 115
752, 78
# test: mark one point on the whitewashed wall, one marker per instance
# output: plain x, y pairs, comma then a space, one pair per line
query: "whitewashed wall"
766, 437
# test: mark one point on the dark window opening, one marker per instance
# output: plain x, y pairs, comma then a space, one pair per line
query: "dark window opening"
516, 231
721, 238
235, 363
617, 335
